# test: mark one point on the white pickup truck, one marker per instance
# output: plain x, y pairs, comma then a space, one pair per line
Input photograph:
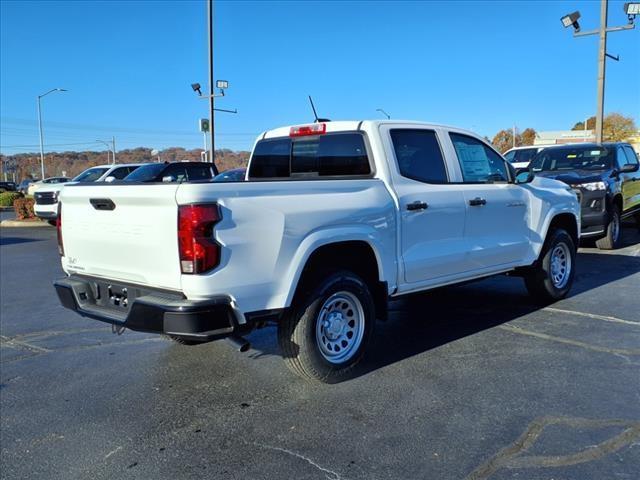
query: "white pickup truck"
333, 220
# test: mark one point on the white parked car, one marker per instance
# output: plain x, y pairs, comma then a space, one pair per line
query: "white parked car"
520, 157
335, 219
38, 184
46, 196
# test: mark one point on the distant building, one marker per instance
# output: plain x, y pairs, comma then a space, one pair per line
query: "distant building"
559, 137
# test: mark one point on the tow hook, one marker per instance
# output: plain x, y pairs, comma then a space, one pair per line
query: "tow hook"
239, 343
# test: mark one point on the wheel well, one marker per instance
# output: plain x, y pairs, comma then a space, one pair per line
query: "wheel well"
355, 256
567, 222
617, 201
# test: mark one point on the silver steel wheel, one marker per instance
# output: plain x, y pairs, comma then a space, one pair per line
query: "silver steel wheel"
615, 227
560, 265
340, 327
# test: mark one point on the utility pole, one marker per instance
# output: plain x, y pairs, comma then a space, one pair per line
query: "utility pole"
211, 96
40, 127
113, 143
631, 9
602, 51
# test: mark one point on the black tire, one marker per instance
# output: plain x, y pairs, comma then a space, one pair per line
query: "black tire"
614, 232
306, 353
540, 280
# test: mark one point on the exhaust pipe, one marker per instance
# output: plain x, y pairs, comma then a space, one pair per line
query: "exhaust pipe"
239, 343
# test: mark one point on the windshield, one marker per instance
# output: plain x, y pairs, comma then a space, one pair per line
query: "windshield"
574, 158
146, 173
90, 175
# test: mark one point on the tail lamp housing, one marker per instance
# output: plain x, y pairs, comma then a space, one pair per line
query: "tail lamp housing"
199, 252
59, 230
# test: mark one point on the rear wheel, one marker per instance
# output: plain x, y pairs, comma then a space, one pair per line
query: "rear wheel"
614, 232
325, 334
552, 277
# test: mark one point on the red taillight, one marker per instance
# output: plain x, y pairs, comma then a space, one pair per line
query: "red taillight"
59, 230
199, 252
304, 130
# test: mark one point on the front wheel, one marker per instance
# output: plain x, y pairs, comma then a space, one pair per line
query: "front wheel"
551, 278
325, 334
613, 231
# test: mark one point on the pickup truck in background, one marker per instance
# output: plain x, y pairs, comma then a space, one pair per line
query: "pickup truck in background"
335, 219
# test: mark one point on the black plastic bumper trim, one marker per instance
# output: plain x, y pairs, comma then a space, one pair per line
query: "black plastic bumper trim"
207, 320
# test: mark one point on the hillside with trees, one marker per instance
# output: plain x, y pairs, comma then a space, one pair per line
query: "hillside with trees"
27, 165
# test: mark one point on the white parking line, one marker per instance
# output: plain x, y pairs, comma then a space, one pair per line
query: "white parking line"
593, 315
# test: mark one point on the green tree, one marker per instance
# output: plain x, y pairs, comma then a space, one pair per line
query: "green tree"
591, 124
616, 127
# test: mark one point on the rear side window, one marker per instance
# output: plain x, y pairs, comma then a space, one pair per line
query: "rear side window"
338, 154
120, 173
199, 172
479, 163
418, 155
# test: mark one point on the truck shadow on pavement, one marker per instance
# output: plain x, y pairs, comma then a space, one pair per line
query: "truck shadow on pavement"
421, 322
15, 240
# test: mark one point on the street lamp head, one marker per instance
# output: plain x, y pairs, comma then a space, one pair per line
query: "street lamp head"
196, 88
62, 90
632, 9
222, 84
571, 20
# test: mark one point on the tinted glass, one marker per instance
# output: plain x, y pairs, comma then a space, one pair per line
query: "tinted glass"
324, 155
525, 155
199, 172
573, 158
270, 159
510, 156
479, 163
90, 175
419, 156
120, 173
342, 154
632, 157
146, 173
177, 172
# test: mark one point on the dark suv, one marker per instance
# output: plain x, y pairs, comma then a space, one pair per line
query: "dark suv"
606, 180
173, 172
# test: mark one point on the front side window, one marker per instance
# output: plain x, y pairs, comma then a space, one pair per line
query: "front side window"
418, 155
176, 172
199, 172
90, 175
632, 158
479, 163
120, 173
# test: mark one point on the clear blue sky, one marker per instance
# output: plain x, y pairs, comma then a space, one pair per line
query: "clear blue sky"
128, 67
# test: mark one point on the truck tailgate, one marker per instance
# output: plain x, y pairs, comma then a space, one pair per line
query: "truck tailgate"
122, 232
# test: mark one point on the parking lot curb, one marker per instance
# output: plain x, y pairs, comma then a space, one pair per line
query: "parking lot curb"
23, 223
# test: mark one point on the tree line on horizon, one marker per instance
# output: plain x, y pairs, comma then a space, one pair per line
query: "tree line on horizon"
71, 163
616, 128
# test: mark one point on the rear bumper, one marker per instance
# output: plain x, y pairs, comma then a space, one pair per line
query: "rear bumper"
48, 212
150, 311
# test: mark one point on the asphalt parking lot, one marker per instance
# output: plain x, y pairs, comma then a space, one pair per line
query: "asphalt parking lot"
469, 382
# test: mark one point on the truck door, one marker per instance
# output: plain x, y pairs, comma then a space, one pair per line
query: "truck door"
496, 227
432, 212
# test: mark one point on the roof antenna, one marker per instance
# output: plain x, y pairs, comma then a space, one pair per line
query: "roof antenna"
315, 114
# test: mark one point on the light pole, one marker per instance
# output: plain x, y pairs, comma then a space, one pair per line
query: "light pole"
631, 9
108, 148
40, 126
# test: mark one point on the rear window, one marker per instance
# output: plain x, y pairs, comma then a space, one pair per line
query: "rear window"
337, 154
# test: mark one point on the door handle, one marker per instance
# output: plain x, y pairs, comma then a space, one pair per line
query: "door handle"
477, 202
417, 205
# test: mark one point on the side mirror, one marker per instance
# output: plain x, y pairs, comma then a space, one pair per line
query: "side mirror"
524, 175
629, 168
110, 179
169, 178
